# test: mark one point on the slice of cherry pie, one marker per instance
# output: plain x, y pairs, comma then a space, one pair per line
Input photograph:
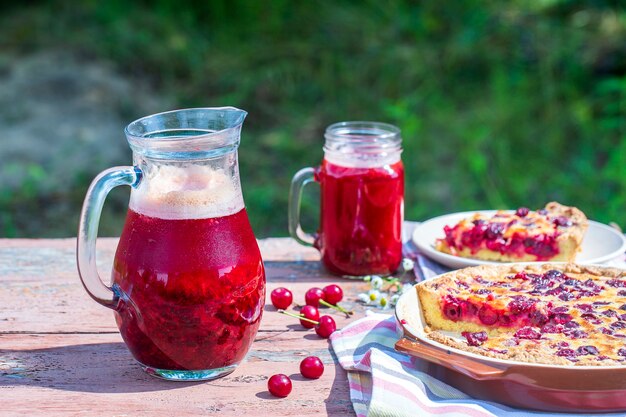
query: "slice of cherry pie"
554, 233
549, 313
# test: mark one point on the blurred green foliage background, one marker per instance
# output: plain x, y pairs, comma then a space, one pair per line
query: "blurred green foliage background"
501, 104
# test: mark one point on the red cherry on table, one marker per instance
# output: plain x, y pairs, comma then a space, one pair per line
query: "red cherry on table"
279, 385
325, 327
333, 294
310, 313
281, 298
311, 367
312, 296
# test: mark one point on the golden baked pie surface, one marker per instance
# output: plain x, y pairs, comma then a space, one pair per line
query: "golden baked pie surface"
551, 313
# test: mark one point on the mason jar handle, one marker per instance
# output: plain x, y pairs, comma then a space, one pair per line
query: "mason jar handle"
302, 178
88, 230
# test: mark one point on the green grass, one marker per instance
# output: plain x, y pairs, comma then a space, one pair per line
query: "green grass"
501, 104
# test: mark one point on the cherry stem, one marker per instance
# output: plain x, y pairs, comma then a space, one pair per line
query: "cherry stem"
394, 283
298, 316
336, 307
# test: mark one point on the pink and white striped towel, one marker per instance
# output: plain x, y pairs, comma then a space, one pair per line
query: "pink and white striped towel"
387, 383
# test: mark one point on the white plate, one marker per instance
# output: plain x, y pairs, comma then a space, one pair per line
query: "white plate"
601, 243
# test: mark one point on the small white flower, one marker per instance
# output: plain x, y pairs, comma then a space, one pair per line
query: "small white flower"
394, 299
365, 298
367, 278
373, 295
405, 288
408, 264
377, 282
383, 302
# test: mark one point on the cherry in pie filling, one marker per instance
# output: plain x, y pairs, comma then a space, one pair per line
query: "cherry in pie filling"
550, 313
554, 233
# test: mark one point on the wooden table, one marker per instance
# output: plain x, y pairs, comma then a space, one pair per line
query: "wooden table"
62, 355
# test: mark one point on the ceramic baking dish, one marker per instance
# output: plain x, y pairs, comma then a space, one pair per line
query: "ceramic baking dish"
518, 384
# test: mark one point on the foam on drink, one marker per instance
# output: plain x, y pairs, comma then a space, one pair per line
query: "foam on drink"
189, 192
348, 156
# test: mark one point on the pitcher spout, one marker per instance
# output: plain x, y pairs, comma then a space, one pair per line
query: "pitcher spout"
187, 134
234, 117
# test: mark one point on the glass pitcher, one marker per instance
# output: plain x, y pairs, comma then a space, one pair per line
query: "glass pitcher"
188, 283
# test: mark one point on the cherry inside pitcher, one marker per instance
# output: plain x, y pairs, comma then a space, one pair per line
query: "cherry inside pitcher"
197, 289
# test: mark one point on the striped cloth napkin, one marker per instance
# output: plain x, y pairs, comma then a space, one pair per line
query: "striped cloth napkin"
386, 383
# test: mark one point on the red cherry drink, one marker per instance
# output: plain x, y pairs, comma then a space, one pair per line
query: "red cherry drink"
361, 218
191, 290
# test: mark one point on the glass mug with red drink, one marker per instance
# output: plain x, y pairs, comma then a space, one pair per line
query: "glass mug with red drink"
188, 283
362, 199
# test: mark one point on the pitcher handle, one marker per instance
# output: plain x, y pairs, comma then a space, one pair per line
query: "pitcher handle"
302, 178
88, 230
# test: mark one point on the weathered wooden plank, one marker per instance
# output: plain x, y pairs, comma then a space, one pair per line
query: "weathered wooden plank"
45, 293
274, 249
61, 305
68, 374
